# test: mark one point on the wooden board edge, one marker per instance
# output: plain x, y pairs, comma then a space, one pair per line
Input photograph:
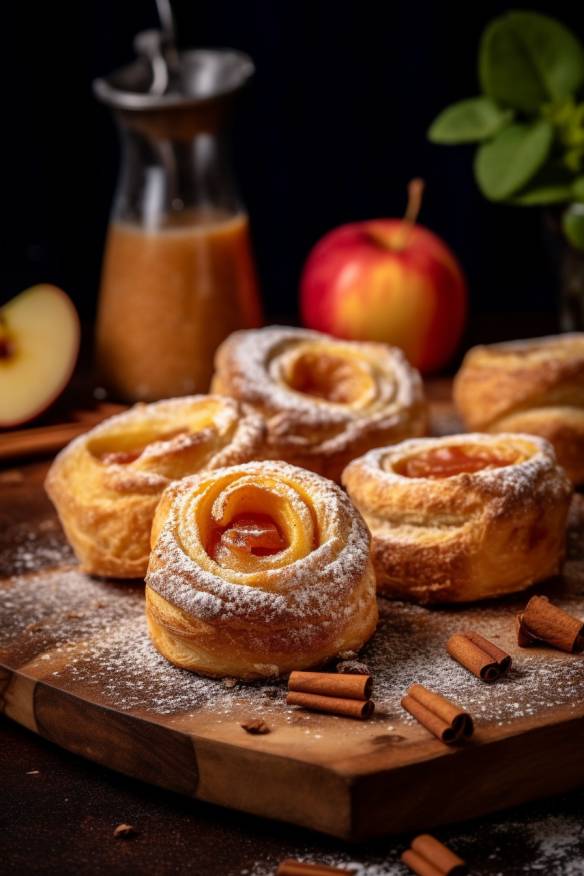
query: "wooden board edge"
393, 755
261, 783
544, 761
17, 697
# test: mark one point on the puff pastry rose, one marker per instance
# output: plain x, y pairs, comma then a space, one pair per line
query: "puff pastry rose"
325, 400
534, 386
106, 484
256, 570
463, 517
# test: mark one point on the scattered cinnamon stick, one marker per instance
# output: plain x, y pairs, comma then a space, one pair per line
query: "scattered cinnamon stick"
339, 694
46, 439
478, 655
429, 857
524, 640
544, 622
346, 707
289, 867
449, 722
331, 684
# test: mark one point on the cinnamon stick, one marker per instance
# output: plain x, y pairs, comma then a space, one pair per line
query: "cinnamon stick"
289, 867
542, 621
334, 705
429, 857
524, 639
444, 719
478, 655
46, 439
331, 684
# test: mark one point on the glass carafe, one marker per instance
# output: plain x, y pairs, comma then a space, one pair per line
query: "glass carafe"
178, 273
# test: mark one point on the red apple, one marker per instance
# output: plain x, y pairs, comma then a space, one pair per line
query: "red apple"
39, 342
387, 280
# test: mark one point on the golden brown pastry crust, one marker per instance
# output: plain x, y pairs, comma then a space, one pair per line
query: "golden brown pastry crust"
468, 536
106, 498
534, 386
325, 401
249, 616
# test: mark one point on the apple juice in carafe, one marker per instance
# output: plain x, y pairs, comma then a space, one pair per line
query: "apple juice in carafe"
178, 274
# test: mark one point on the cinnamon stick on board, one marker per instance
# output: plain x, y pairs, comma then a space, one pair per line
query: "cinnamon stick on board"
335, 705
290, 867
444, 719
429, 857
478, 655
524, 640
331, 684
542, 621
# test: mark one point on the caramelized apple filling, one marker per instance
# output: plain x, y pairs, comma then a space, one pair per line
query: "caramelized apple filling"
444, 462
131, 454
331, 378
252, 534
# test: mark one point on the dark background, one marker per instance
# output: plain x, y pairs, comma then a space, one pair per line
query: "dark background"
331, 129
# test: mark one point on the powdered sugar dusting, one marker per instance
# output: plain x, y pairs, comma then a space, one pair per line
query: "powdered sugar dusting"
536, 842
94, 631
535, 458
32, 549
409, 647
315, 588
252, 365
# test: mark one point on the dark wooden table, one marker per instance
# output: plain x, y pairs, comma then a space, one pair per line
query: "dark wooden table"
58, 813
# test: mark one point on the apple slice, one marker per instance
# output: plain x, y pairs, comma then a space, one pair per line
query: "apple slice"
39, 342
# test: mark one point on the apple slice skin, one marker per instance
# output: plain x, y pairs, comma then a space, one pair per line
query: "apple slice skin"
47, 296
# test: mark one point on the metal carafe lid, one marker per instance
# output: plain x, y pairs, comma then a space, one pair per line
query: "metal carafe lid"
197, 94
198, 77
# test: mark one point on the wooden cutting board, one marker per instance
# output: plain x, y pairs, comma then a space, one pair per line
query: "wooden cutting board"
76, 667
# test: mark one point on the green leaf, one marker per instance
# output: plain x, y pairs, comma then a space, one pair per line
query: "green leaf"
469, 121
552, 185
526, 58
505, 164
578, 189
573, 225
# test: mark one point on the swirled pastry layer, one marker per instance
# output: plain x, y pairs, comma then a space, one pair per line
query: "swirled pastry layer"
107, 483
256, 570
463, 517
534, 386
325, 400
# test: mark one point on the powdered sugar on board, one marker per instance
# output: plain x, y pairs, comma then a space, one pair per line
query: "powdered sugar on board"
32, 548
90, 636
545, 844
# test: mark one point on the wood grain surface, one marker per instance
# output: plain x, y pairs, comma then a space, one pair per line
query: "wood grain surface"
77, 668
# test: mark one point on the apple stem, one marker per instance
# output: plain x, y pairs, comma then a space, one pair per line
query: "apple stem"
415, 193
399, 239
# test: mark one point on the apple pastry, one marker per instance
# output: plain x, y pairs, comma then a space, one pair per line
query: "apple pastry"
325, 401
256, 570
462, 517
534, 386
106, 483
